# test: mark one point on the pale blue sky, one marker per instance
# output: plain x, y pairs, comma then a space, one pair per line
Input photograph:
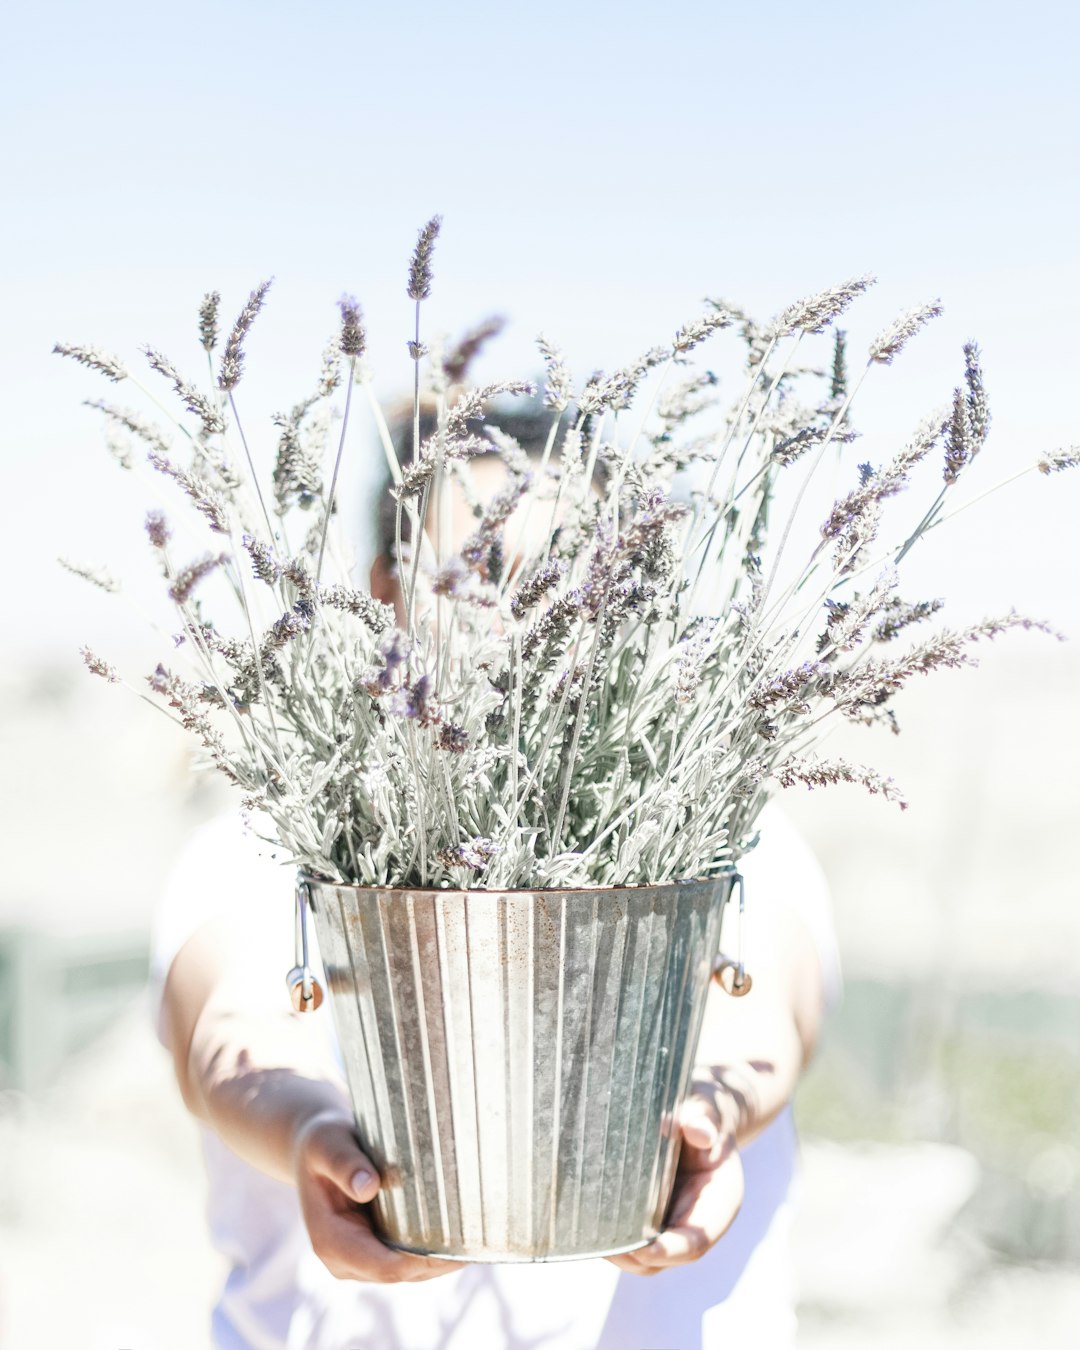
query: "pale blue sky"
599, 168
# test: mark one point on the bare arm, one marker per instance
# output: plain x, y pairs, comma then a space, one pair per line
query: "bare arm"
755, 1048
261, 1077
246, 1064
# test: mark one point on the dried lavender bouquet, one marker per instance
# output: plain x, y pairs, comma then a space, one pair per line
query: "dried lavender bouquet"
606, 698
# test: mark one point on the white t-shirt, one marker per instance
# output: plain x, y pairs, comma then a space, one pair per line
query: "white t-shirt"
278, 1294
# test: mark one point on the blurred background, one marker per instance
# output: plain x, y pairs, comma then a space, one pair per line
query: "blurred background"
600, 169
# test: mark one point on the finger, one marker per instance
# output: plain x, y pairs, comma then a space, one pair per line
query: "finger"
628, 1261
700, 1123
348, 1246
331, 1150
712, 1199
674, 1245
708, 1139
705, 1208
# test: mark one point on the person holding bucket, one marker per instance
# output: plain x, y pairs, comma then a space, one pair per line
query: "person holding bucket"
289, 1182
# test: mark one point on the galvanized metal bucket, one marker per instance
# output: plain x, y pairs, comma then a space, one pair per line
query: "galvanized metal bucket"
515, 1058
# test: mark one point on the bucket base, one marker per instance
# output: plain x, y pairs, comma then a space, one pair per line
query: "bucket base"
491, 1258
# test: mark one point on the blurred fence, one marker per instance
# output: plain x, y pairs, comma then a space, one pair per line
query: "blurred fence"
57, 994
995, 1072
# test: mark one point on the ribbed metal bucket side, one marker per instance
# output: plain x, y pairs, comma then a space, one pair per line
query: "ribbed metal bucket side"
683, 935
632, 1045
349, 986
698, 934
515, 1058
585, 1202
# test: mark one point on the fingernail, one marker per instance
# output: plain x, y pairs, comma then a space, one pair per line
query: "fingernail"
361, 1180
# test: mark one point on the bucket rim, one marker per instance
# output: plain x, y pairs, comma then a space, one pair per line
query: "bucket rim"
307, 878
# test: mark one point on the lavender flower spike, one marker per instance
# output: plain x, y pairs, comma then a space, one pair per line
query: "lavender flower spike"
814, 313
96, 576
94, 359
208, 320
375, 615
232, 359
353, 337
457, 361
264, 564
419, 287
536, 586
473, 853
413, 701
99, 666
900, 332
130, 421
969, 423
1057, 460
194, 399
157, 528
186, 581
823, 772
559, 388
692, 334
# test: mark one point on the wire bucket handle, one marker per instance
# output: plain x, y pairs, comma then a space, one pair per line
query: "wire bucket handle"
730, 972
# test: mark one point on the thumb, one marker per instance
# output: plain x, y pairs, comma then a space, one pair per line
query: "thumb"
329, 1148
700, 1124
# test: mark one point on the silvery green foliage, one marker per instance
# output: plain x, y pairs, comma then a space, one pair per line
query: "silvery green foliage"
604, 682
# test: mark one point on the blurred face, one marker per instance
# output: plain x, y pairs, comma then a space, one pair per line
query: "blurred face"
522, 532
